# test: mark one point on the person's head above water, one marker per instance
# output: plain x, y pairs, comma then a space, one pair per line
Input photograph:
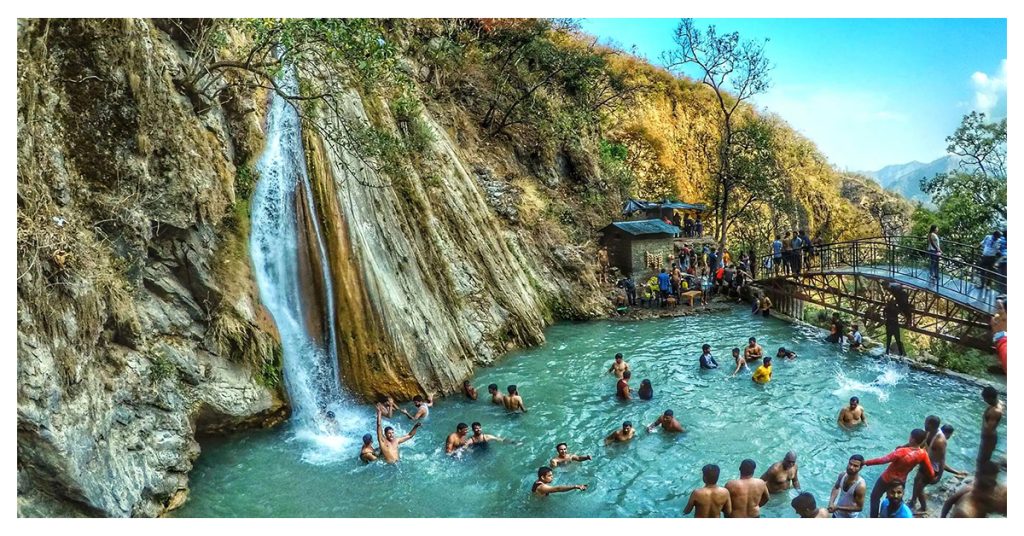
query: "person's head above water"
417, 400
330, 415
917, 436
461, 428
626, 426
947, 430
389, 432
767, 360
752, 341
855, 464
710, 473
367, 439
627, 375
476, 427
990, 395
561, 447
618, 356
804, 504
668, 413
645, 383
735, 352
545, 474
931, 423
513, 390
781, 352
747, 467
854, 402
465, 383
789, 460
492, 388
706, 348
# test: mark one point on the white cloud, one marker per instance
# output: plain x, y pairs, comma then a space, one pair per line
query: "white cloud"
990, 92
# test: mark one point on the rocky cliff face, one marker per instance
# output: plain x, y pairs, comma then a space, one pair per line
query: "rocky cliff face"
138, 323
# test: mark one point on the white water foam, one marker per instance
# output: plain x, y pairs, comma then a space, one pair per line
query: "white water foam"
890, 375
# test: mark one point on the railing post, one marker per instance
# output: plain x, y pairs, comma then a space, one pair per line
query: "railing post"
856, 251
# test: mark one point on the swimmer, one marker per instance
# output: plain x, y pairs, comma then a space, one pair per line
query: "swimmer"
763, 374
387, 406
947, 430
848, 493
852, 415
619, 367
469, 390
741, 364
668, 422
389, 443
422, 407
513, 401
457, 439
496, 396
331, 423
564, 457
893, 505
753, 351
367, 453
706, 360
621, 435
712, 500
646, 390
480, 439
543, 487
781, 475
748, 494
806, 507
986, 496
901, 461
989, 423
622, 390
783, 353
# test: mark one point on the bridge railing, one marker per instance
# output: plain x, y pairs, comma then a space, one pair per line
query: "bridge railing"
958, 278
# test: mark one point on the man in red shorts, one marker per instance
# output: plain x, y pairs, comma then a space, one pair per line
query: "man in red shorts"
901, 461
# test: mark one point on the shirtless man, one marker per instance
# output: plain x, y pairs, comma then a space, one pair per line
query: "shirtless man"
619, 367
848, 493
783, 353
806, 507
668, 423
456, 439
513, 401
989, 424
389, 443
947, 430
935, 446
387, 406
622, 390
748, 494
564, 457
985, 497
368, 453
469, 390
712, 500
780, 474
496, 396
542, 486
621, 435
852, 415
753, 351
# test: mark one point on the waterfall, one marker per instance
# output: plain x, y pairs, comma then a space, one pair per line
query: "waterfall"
311, 373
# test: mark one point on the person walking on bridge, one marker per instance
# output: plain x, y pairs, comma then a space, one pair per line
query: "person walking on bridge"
989, 254
934, 253
777, 254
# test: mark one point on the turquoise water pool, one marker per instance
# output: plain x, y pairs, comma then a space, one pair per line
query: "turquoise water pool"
288, 473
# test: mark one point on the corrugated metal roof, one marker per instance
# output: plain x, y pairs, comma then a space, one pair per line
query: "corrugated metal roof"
684, 206
644, 227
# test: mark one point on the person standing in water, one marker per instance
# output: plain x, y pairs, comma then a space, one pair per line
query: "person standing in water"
936, 449
848, 493
806, 507
619, 367
457, 439
622, 390
496, 397
564, 457
901, 461
646, 390
852, 415
367, 453
621, 435
763, 374
989, 423
422, 407
389, 443
513, 402
479, 439
706, 360
668, 422
469, 390
712, 500
781, 475
748, 494
766, 306
741, 364
753, 351
542, 486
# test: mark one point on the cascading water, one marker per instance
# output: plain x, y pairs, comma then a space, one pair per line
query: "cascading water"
310, 371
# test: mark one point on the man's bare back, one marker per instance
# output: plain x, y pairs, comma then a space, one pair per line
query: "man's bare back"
709, 501
747, 495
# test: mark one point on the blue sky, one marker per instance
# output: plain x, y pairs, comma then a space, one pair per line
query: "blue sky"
868, 92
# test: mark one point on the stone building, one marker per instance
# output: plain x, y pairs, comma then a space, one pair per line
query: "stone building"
639, 248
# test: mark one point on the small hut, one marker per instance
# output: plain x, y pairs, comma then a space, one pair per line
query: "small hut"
638, 248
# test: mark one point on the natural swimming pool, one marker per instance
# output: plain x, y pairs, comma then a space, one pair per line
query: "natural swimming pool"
570, 397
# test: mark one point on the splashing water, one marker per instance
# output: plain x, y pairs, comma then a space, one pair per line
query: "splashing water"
890, 375
310, 372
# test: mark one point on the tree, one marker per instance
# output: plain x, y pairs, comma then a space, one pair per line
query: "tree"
725, 63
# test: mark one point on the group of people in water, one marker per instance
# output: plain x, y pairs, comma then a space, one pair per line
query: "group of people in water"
744, 496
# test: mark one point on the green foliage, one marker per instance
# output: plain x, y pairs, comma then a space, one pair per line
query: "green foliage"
161, 368
957, 358
417, 137
245, 182
271, 371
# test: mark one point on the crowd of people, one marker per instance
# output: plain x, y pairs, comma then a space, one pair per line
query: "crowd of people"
694, 275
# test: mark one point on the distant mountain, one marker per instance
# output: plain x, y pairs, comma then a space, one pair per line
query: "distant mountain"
905, 179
